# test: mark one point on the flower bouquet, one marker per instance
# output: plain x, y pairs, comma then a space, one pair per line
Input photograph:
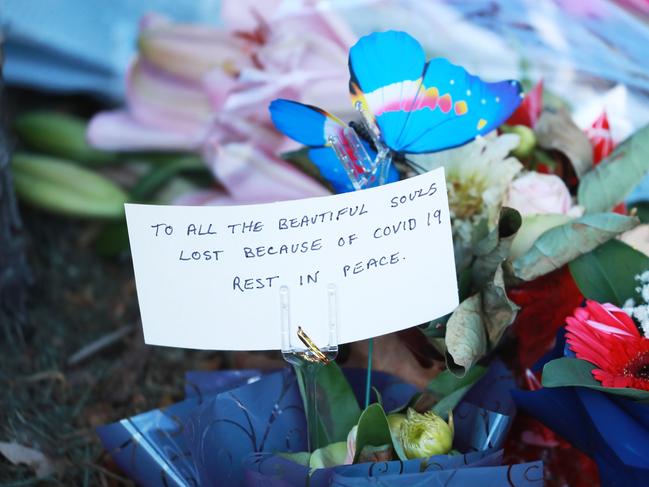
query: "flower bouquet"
534, 209
537, 205
595, 386
247, 428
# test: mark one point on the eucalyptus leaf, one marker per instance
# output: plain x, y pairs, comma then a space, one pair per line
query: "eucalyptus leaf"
572, 372
494, 249
611, 181
466, 336
556, 130
373, 430
499, 311
477, 325
607, 274
560, 245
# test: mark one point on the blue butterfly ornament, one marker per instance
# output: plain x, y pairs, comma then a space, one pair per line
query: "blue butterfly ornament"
407, 106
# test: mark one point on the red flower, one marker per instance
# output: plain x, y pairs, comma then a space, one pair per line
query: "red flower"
529, 111
607, 337
544, 303
600, 138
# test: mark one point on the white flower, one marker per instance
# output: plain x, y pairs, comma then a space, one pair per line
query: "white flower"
477, 175
640, 311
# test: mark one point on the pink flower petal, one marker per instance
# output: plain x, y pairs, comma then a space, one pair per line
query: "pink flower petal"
250, 175
118, 131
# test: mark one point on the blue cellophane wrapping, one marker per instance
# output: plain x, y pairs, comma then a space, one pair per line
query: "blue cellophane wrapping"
231, 424
612, 430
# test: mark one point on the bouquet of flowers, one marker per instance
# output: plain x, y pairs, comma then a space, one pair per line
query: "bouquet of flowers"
247, 428
539, 211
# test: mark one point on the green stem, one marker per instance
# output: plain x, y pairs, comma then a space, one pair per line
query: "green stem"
368, 378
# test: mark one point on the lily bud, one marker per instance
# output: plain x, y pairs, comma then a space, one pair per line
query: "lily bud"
62, 187
59, 135
425, 435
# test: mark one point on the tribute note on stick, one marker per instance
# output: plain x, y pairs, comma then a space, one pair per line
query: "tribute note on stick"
209, 277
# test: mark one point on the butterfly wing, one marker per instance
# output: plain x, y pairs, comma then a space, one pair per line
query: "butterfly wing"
385, 68
312, 127
306, 124
423, 107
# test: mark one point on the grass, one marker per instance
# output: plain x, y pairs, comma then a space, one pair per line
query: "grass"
54, 407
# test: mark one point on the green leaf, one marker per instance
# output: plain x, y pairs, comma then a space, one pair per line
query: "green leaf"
373, 430
446, 382
560, 245
642, 209
572, 372
477, 325
615, 177
60, 135
450, 389
338, 410
557, 131
448, 403
607, 274
161, 173
329, 456
301, 457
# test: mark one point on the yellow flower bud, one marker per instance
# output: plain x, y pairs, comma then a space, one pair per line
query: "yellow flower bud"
425, 435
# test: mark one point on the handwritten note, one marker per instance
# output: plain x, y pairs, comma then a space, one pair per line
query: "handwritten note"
209, 277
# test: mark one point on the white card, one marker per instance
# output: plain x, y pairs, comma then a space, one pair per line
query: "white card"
209, 277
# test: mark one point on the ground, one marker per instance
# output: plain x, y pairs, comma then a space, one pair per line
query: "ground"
52, 401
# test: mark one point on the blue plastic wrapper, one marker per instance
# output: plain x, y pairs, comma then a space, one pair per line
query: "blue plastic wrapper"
612, 430
482, 468
231, 424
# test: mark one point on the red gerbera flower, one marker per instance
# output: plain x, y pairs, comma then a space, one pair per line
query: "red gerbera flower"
607, 337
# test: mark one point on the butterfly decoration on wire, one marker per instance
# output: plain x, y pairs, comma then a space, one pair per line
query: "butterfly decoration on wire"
407, 106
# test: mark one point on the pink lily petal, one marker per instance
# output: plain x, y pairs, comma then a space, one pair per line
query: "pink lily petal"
206, 197
118, 131
251, 175
189, 51
162, 100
